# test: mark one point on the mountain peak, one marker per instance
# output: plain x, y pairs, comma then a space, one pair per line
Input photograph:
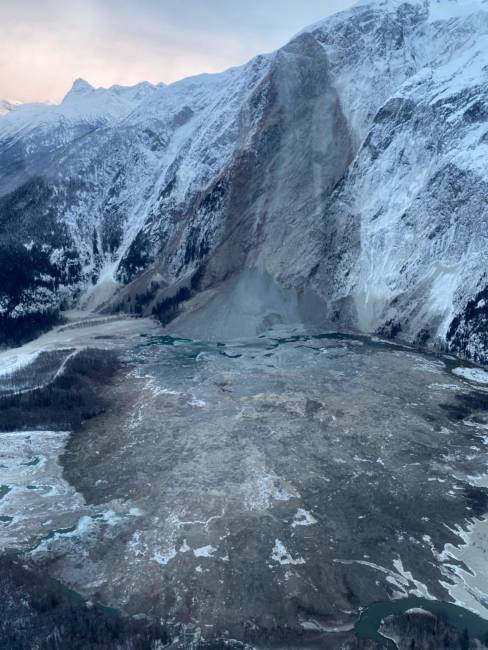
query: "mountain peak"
8, 105
80, 86
435, 8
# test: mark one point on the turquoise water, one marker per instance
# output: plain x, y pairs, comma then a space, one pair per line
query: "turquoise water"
458, 617
78, 599
31, 463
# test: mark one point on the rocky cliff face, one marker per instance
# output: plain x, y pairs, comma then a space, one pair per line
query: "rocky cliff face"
411, 211
339, 181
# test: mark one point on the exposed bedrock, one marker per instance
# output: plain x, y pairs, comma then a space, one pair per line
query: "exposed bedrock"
345, 170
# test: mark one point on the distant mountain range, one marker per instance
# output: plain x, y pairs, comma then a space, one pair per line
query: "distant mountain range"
7, 105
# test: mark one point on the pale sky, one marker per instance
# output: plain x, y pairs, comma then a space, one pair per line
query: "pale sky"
46, 44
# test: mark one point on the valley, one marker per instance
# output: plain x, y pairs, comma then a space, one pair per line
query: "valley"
345, 170
244, 348
260, 490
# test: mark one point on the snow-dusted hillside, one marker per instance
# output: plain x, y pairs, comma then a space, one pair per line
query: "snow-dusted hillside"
8, 105
410, 217
340, 180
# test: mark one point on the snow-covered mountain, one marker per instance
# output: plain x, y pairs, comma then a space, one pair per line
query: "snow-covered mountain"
8, 105
340, 181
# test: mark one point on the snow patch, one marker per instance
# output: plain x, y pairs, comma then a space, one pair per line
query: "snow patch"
303, 518
282, 556
164, 557
477, 375
204, 551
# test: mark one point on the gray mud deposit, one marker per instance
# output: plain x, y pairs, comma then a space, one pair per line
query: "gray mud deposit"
266, 490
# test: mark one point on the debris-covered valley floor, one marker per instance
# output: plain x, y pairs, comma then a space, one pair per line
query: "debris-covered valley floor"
261, 491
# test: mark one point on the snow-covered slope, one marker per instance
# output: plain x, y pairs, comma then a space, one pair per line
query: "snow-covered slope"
8, 105
34, 134
343, 176
410, 216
